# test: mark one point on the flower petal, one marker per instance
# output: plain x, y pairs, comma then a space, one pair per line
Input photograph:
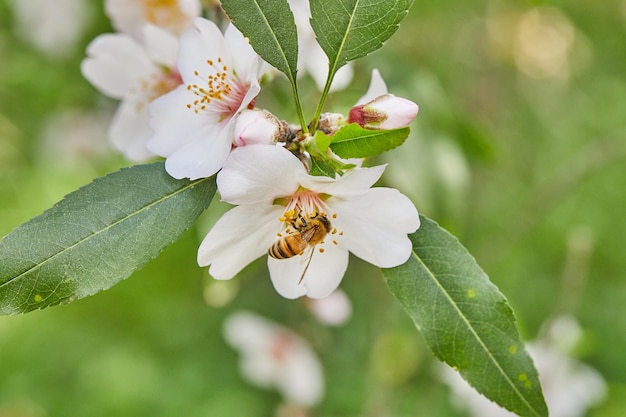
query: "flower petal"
173, 124
129, 131
324, 273
246, 62
202, 157
355, 182
162, 47
257, 174
240, 236
202, 42
116, 65
377, 88
375, 225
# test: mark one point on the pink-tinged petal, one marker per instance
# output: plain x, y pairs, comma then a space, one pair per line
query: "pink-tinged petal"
325, 271
202, 157
256, 127
201, 42
129, 132
173, 123
375, 225
257, 174
241, 235
162, 47
355, 182
384, 112
377, 88
116, 65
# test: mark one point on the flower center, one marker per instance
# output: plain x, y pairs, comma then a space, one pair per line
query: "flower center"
165, 14
306, 210
220, 92
158, 84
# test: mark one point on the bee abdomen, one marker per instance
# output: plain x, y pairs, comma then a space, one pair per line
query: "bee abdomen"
287, 247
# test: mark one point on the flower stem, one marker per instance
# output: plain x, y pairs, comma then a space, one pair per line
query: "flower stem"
294, 89
320, 106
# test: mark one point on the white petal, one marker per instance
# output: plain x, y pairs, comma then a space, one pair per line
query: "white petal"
257, 174
247, 331
377, 88
173, 124
355, 182
116, 65
129, 132
301, 379
241, 235
315, 62
322, 277
201, 42
162, 46
202, 157
376, 224
245, 61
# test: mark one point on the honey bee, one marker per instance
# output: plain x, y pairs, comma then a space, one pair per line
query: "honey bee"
309, 231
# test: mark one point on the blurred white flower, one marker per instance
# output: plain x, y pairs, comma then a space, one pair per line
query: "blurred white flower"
194, 124
130, 16
54, 27
308, 222
136, 74
569, 386
311, 57
333, 310
273, 356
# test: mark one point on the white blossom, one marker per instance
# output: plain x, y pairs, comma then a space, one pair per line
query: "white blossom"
135, 73
273, 356
273, 192
54, 27
130, 16
194, 124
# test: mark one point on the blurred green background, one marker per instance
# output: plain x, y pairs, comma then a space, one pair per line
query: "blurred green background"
519, 150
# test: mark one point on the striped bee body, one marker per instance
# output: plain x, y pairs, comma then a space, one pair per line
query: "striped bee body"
309, 231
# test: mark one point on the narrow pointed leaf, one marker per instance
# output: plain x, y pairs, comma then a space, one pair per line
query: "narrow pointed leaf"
465, 320
353, 141
350, 29
97, 236
271, 28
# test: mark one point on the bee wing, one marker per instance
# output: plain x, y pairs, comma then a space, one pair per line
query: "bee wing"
308, 234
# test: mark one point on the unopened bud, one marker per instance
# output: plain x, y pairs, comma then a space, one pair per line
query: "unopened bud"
257, 127
384, 112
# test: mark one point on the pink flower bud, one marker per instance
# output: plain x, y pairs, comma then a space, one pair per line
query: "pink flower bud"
256, 127
384, 112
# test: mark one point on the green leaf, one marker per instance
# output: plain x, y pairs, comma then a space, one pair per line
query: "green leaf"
465, 320
271, 28
97, 236
353, 141
350, 29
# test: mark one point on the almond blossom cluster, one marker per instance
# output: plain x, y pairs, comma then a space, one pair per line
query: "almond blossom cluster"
187, 93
